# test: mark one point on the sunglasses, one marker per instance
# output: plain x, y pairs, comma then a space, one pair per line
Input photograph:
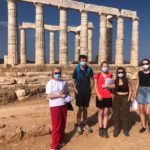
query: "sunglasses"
145, 64
57, 73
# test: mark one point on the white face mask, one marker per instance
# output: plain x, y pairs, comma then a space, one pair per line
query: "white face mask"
145, 67
120, 75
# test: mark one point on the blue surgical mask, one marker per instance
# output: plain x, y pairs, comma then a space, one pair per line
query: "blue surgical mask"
120, 75
105, 69
57, 76
83, 63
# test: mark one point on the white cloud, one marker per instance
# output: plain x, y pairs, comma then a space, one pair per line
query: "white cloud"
3, 23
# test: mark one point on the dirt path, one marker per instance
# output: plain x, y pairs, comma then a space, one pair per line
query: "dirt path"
29, 113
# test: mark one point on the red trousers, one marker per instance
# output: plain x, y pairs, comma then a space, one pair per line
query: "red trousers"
58, 118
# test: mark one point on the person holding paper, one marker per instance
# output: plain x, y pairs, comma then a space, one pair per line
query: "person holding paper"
121, 102
142, 94
57, 90
103, 97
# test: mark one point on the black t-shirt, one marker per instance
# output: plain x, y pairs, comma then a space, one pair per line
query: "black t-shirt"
84, 85
144, 79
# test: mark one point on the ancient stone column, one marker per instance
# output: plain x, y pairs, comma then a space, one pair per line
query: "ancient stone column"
109, 38
23, 55
52, 48
84, 33
90, 41
119, 41
39, 39
63, 37
77, 46
12, 33
134, 44
103, 39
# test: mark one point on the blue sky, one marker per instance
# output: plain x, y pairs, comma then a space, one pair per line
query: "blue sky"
26, 13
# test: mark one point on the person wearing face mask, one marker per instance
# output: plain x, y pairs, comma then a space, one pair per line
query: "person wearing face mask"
103, 97
142, 94
121, 102
82, 79
57, 90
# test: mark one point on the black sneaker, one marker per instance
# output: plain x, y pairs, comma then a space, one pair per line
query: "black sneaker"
101, 132
116, 132
105, 133
142, 130
126, 133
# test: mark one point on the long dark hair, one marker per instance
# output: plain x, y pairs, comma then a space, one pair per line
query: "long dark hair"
124, 78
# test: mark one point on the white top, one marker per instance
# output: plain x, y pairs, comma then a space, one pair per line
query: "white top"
55, 87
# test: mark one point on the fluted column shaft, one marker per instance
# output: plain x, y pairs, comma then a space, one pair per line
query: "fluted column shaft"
63, 37
103, 39
84, 33
23, 55
119, 41
52, 48
109, 39
77, 46
12, 33
39, 48
134, 44
90, 44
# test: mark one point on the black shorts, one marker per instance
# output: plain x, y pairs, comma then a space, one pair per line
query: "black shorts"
105, 103
82, 100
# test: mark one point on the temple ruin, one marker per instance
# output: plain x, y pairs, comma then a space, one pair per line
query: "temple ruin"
83, 33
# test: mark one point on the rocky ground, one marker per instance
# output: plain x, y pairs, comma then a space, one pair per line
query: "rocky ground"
26, 126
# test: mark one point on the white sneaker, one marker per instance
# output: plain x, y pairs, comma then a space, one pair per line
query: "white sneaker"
79, 129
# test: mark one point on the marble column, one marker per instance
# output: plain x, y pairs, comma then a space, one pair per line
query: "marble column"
119, 41
84, 33
63, 37
23, 55
77, 46
90, 41
52, 48
134, 44
12, 33
109, 38
39, 48
103, 39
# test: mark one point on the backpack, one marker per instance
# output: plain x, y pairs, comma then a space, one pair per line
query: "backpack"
78, 71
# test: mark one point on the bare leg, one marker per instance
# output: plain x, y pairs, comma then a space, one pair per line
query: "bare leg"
105, 117
79, 113
100, 117
148, 111
142, 114
84, 115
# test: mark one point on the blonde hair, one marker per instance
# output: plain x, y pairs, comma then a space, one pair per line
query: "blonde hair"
56, 68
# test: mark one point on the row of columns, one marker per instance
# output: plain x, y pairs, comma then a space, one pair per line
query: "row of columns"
23, 49
85, 42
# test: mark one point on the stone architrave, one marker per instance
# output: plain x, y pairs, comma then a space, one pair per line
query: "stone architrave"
52, 48
134, 43
84, 33
39, 39
103, 39
109, 38
77, 46
23, 51
12, 33
119, 41
63, 37
90, 41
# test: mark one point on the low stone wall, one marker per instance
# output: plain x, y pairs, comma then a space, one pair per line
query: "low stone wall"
22, 82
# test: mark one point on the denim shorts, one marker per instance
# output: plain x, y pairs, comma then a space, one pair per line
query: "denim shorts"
143, 96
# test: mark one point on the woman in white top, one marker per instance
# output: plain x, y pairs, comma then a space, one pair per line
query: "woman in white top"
56, 90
